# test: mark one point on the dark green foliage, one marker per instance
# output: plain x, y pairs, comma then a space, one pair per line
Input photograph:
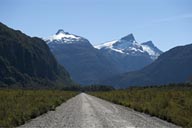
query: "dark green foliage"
18, 106
27, 62
89, 88
172, 103
93, 88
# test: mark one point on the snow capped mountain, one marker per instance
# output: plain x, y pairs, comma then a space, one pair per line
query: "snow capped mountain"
119, 45
80, 58
151, 49
64, 37
129, 46
89, 65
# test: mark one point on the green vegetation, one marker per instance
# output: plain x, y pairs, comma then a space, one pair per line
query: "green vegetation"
172, 103
27, 62
93, 88
89, 88
18, 106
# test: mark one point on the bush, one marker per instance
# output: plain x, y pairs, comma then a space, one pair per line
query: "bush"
18, 106
172, 103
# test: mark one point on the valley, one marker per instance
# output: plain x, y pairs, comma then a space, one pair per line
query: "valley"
66, 80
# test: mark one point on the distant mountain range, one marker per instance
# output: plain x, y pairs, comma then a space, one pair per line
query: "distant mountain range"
27, 62
130, 47
173, 66
89, 65
128, 54
85, 63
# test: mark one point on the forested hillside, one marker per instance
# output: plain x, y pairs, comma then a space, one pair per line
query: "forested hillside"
28, 62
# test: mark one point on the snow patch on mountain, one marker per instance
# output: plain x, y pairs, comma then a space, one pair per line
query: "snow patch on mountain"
128, 45
150, 51
63, 37
109, 45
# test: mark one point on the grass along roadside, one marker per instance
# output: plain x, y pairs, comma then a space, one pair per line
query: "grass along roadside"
172, 103
18, 106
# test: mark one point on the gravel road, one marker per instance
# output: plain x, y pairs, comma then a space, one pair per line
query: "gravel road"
85, 111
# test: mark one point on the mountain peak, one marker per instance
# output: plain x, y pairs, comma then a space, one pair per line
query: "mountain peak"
61, 31
152, 50
63, 37
149, 43
127, 45
129, 37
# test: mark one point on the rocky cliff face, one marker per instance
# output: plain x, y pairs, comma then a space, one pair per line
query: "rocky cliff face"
28, 62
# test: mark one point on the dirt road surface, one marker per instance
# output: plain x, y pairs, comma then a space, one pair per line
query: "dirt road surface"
85, 111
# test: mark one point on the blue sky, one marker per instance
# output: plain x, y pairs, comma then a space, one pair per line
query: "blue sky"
167, 23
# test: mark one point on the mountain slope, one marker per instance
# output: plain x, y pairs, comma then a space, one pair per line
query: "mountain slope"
89, 65
173, 66
84, 63
151, 49
128, 54
28, 62
129, 46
